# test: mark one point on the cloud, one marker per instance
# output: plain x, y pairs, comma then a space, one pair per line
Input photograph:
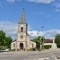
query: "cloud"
47, 34
57, 6
12, 1
11, 30
41, 1
9, 27
35, 33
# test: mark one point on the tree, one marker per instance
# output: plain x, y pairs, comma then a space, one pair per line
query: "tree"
57, 40
8, 42
36, 40
42, 40
4, 40
39, 42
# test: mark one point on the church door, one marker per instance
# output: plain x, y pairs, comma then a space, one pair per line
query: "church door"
21, 46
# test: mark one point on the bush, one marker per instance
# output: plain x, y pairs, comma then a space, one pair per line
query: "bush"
47, 46
34, 49
58, 45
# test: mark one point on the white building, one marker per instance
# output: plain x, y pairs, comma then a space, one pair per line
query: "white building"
23, 41
50, 42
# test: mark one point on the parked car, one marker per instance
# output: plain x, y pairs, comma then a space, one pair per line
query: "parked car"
4, 50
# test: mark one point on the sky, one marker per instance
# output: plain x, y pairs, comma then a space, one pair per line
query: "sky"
38, 13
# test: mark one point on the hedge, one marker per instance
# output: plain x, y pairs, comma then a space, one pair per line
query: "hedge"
47, 46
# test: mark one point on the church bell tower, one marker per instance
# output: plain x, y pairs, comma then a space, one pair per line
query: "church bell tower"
22, 33
22, 25
23, 41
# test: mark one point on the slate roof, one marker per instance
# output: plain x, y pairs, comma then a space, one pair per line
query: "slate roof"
23, 20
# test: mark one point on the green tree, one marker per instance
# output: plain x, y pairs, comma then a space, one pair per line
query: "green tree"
8, 42
42, 41
39, 42
36, 40
4, 40
57, 40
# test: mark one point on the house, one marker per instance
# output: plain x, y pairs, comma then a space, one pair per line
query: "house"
48, 41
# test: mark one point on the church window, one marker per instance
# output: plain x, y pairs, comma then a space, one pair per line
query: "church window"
14, 45
21, 29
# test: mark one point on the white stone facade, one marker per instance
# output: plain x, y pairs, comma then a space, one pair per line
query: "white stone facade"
23, 41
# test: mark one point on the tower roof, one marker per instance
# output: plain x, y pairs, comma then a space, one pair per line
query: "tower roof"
23, 20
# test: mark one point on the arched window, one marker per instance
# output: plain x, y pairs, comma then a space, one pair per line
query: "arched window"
21, 29
13, 44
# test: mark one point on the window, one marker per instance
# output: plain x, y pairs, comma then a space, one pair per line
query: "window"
13, 44
21, 29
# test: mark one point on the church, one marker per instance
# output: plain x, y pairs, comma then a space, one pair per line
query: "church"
22, 41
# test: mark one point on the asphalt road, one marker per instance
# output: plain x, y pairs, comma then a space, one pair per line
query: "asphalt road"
30, 55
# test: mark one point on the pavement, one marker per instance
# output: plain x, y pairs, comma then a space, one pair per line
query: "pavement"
31, 55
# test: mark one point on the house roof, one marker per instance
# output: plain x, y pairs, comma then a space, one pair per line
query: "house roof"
48, 41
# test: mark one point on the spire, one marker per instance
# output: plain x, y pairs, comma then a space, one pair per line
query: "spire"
23, 20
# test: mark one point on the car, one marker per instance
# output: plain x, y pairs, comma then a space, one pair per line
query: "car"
4, 50
7, 50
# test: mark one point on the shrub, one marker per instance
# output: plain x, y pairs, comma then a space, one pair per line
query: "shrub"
47, 46
58, 45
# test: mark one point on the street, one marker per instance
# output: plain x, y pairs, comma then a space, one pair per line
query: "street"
30, 55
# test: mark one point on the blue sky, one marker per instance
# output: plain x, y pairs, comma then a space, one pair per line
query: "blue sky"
38, 13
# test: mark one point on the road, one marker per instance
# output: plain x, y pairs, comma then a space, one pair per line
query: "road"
30, 55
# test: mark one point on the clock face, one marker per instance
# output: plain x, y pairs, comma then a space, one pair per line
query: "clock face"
21, 36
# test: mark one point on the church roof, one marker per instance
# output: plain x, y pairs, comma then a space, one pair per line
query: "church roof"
23, 20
